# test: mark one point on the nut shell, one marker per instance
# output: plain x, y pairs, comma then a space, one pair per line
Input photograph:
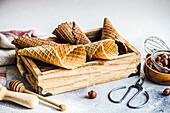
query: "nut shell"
92, 94
148, 55
158, 58
166, 92
159, 62
154, 75
164, 55
165, 62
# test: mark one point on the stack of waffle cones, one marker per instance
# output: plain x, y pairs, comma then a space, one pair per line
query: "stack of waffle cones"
109, 32
66, 56
104, 49
73, 56
71, 33
32, 42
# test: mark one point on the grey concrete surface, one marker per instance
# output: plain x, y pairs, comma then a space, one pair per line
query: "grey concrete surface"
135, 20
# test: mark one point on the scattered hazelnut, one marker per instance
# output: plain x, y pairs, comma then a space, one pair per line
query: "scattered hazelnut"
92, 94
166, 92
165, 62
148, 55
164, 55
158, 58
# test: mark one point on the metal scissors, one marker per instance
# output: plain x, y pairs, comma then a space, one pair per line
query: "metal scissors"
138, 86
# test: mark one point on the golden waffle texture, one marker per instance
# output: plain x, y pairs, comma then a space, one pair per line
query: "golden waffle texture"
104, 49
109, 32
71, 33
31, 42
66, 56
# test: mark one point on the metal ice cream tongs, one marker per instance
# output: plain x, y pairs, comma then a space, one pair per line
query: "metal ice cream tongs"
138, 86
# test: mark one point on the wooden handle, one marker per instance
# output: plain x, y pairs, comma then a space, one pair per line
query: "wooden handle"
18, 86
61, 106
27, 100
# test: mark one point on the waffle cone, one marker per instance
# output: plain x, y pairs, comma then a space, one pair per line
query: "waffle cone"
109, 32
71, 33
66, 56
104, 49
31, 42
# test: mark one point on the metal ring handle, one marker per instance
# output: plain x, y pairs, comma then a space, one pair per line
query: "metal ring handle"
122, 87
136, 107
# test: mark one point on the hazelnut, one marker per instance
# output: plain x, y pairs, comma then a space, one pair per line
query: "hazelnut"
164, 55
164, 62
158, 58
150, 66
166, 92
150, 63
148, 55
92, 94
159, 62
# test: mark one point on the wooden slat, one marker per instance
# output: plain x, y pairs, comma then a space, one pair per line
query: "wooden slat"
81, 81
130, 46
33, 79
126, 58
29, 67
34, 67
20, 64
30, 78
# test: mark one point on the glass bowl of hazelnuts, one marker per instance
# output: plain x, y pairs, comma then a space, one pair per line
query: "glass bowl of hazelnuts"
161, 60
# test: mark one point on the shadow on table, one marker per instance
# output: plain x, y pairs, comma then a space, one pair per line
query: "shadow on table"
10, 104
49, 105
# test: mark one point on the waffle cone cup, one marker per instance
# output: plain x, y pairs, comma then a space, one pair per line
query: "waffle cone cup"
104, 49
109, 32
71, 33
66, 56
31, 42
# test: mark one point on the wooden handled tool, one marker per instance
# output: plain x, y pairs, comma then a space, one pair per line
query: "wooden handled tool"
18, 86
27, 100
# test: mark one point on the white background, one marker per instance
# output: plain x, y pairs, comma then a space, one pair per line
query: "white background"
135, 20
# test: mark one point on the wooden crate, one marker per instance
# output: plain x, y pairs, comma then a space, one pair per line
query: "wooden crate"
47, 79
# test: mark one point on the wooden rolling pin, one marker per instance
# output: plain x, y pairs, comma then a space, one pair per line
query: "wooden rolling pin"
27, 100
18, 86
